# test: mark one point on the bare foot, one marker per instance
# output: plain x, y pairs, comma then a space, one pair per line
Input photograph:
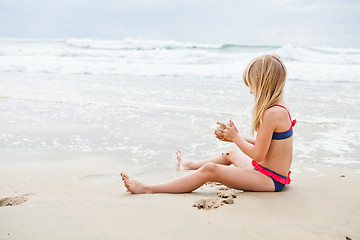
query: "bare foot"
134, 186
183, 164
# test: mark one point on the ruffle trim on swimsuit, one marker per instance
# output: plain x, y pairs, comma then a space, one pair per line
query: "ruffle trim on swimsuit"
272, 174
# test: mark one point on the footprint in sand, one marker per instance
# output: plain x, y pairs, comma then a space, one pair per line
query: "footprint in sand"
13, 201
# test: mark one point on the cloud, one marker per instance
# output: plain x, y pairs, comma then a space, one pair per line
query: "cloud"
263, 22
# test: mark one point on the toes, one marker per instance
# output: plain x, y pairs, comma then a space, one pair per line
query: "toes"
124, 176
126, 184
178, 155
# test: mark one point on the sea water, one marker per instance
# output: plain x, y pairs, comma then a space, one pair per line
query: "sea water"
143, 100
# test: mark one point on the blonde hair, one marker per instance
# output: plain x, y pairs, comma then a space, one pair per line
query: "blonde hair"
265, 76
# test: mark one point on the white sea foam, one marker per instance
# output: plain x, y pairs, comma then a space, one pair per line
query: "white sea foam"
171, 58
321, 55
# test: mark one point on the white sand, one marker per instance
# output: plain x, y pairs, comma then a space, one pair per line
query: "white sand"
81, 197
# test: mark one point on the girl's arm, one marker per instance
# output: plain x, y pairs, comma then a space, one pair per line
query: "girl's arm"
259, 149
250, 140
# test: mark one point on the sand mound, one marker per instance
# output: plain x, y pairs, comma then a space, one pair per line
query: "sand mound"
13, 201
224, 197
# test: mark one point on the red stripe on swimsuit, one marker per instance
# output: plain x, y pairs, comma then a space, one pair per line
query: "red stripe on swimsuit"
272, 174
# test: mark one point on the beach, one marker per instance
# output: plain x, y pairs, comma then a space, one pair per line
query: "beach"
76, 113
72, 196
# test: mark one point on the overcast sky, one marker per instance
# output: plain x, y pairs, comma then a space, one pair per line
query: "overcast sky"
256, 22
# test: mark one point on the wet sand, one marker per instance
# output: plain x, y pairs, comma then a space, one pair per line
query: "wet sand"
81, 196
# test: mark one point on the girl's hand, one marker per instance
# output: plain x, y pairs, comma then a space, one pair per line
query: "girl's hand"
231, 132
219, 132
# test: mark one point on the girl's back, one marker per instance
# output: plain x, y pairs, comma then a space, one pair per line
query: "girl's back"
279, 155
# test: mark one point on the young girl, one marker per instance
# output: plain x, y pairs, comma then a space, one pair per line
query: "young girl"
261, 164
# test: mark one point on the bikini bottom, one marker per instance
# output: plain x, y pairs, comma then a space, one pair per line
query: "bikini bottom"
279, 180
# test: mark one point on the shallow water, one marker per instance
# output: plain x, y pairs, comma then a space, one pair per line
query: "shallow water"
145, 100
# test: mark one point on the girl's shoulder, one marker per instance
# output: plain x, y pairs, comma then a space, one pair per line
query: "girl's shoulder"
274, 113
279, 116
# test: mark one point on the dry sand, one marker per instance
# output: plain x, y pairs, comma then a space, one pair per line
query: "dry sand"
80, 196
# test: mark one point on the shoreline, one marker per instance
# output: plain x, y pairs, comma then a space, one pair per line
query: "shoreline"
83, 197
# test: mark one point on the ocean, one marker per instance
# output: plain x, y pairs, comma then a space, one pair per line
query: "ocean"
143, 100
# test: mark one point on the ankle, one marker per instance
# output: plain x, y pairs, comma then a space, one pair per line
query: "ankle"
148, 189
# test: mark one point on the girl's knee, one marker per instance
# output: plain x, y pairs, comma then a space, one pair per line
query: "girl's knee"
232, 152
208, 167
227, 155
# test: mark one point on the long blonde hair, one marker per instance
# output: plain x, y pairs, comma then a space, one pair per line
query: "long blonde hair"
265, 76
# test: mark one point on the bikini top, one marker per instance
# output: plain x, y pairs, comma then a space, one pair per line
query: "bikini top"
286, 134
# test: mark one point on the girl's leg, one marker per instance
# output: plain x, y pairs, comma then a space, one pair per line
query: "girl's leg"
238, 178
236, 157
